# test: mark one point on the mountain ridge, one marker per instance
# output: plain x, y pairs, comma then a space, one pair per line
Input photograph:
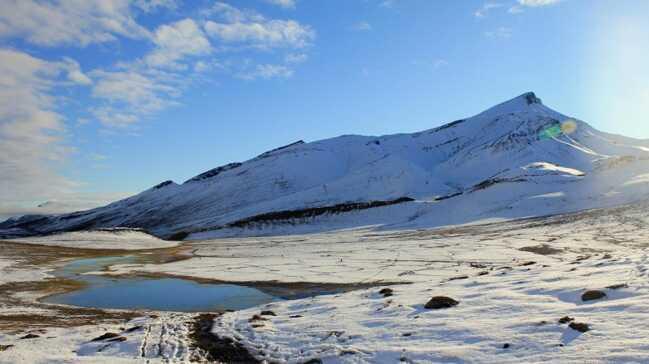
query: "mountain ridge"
520, 143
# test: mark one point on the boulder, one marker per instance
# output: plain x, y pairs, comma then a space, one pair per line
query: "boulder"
439, 302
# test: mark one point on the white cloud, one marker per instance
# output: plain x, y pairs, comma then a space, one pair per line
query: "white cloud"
31, 131
267, 71
69, 22
288, 4
152, 83
177, 41
516, 9
537, 3
133, 90
153, 5
501, 32
74, 73
201, 66
295, 58
254, 30
112, 117
362, 26
485, 8
387, 3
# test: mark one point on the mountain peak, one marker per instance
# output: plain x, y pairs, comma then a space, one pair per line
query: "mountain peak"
530, 98
521, 103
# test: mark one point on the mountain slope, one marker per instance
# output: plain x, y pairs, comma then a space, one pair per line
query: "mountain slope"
519, 158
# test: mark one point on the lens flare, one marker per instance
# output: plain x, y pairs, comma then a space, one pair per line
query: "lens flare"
568, 127
556, 130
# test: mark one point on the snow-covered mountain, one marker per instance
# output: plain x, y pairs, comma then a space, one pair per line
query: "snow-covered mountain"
517, 159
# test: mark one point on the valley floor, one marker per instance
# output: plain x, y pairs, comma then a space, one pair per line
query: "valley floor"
514, 281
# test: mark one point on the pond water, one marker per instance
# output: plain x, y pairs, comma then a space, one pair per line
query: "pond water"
162, 294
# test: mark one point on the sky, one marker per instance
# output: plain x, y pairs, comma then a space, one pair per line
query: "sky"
102, 99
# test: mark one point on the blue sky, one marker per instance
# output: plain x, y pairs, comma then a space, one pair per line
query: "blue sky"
105, 98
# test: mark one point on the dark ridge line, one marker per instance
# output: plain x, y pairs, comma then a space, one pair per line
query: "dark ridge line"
214, 172
446, 197
268, 153
294, 214
315, 211
163, 184
493, 181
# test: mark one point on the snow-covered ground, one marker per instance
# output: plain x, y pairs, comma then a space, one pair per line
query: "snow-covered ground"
12, 271
513, 281
158, 339
113, 239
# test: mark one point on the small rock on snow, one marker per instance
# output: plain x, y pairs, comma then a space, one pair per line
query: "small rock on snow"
438, 302
566, 319
592, 295
579, 326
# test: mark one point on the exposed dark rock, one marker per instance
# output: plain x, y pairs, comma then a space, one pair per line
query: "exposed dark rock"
214, 172
214, 348
458, 278
543, 249
531, 98
257, 318
506, 346
386, 292
295, 316
566, 319
592, 295
5, 347
579, 326
179, 236
106, 336
314, 211
118, 339
618, 286
439, 302
272, 151
449, 125
133, 329
313, 361
268, 313
446, 197
406, 334
493, 181
335, 333
348, 352
30, 336
163, 184
525, 264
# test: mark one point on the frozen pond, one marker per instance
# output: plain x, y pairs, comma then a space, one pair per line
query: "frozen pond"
163, 294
